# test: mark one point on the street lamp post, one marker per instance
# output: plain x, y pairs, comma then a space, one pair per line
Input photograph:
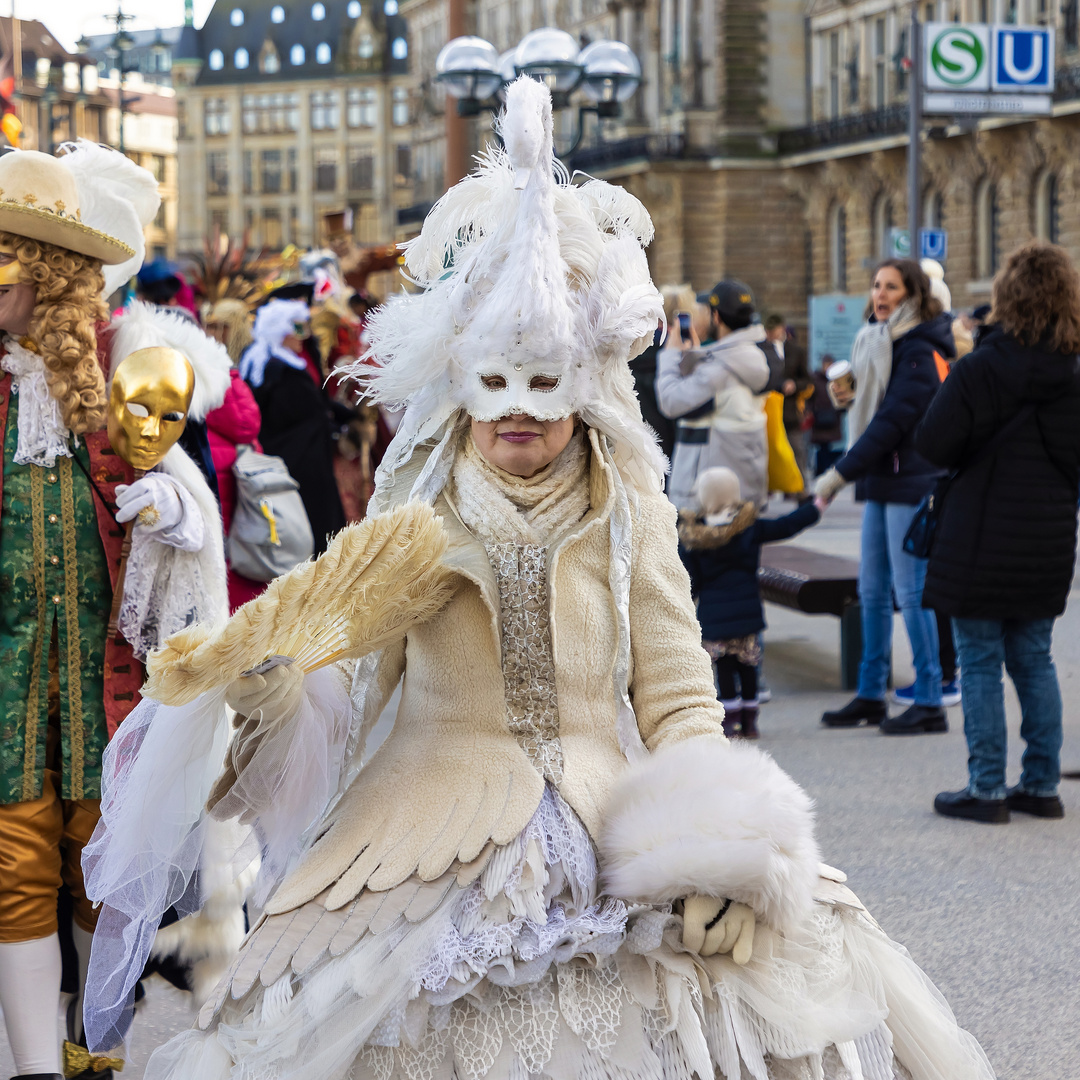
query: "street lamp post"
116, 51
606, 72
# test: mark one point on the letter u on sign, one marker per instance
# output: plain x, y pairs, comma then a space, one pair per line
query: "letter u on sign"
1023, 59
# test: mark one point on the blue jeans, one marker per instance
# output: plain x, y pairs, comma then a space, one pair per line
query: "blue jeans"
1023, 646
886, 568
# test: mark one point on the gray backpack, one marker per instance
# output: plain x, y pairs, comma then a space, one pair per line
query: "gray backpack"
270, 532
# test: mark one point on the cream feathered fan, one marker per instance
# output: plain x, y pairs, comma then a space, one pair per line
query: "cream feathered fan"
376, 579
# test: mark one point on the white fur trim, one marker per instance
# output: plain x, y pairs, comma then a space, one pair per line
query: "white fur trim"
715, 818
144, 326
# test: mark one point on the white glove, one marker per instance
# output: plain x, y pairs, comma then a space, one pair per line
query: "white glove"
733, 933
828, 485
163, 509
270, 693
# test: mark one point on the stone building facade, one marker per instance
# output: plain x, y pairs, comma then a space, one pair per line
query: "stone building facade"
289, 111
768, 139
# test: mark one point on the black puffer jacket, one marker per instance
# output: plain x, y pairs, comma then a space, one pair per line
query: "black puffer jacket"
884, 462
1006, 537
723, 561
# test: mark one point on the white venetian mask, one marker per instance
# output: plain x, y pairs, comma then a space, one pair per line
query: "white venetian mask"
536, 388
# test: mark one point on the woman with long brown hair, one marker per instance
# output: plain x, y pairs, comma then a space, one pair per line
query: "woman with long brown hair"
1007, 421
894, 360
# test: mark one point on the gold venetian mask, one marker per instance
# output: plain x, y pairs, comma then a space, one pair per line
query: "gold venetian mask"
148, 404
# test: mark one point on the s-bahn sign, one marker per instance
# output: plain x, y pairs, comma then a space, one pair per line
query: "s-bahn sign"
983, 68
977, 57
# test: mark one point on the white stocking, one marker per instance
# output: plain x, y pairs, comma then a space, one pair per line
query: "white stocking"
83, 939
30, 998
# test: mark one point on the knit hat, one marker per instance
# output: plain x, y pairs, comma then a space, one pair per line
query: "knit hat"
719, 494
938, 289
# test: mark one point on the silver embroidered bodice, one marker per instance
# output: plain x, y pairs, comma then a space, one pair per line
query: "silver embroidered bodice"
528, 662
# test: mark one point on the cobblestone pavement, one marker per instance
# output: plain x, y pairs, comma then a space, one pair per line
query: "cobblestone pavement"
990, 912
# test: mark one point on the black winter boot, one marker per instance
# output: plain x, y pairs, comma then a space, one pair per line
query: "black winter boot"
855, 712
749, 729
916, 720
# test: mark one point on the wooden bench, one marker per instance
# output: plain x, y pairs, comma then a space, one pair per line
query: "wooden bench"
817, 584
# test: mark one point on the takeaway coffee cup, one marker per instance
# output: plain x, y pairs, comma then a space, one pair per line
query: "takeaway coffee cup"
842, 376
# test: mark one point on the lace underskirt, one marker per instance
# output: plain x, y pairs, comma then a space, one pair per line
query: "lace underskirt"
524, 971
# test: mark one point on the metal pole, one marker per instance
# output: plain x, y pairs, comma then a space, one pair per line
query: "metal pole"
457, 153
914, 158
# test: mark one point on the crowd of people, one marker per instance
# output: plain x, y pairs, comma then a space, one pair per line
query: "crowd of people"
567, 858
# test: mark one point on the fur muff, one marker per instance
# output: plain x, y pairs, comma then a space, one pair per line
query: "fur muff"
709, 817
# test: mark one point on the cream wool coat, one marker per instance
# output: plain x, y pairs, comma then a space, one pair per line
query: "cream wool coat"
451, 777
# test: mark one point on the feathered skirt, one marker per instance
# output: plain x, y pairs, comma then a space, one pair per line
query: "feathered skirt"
515, 967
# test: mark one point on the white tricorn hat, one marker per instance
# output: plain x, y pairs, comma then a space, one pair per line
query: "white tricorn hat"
39, 199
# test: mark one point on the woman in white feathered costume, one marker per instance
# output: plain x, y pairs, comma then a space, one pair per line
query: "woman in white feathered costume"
555, 865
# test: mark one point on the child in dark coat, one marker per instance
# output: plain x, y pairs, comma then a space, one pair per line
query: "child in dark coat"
722, 550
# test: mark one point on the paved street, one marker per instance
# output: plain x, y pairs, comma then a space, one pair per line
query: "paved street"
990, 912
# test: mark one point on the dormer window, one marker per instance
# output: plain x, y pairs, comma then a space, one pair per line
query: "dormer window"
353, 10
216, 59
241, 59
322, 53
399, 49
236, 17
390, 7
296, 55
318, 12
277, 14
269, 60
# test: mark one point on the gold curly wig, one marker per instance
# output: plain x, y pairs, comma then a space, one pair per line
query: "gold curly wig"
62, 328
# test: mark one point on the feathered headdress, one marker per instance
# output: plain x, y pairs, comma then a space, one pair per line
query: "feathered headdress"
536, 295
116, 196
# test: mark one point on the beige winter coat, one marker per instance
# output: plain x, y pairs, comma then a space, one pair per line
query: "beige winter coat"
451, 777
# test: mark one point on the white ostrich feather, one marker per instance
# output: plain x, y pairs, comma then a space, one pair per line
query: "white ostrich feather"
116, 197
144, 326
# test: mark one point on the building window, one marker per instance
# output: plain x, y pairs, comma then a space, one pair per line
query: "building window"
271, 227
219, 222
270, 113
270, 171
236, 17
322, 53
249, 172
324, 110
881, 70
294, 225
159, 217
881, 224
216, 117
365, 47
216, 59
834, 74
900, 59
987, 227
361, 174
240, 58
399, 49
1046, 208
157, 167
934, 210
269, 60
838, 248
318, 12
326, 163
402, 163
296, 55
1070, 24
400, 111
390, 7
353, 10
290, 169
360, 108
277, 14
217, 172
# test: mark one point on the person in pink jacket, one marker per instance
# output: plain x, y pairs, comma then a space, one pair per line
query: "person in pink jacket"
234, 423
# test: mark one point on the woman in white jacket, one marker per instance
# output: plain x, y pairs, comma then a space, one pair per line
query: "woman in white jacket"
555, 866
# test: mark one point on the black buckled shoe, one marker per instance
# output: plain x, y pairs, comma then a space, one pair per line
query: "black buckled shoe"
916, 720
39, 1076
1044, 806
962, 804
857, 711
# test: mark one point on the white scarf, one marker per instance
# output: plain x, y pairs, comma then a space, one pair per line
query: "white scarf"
871, 364
500, 507
43, 436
